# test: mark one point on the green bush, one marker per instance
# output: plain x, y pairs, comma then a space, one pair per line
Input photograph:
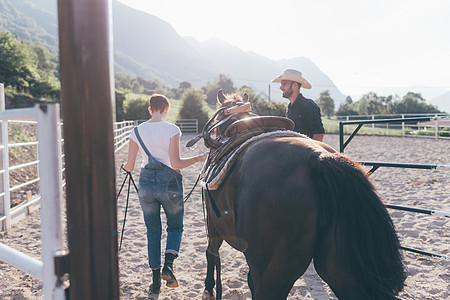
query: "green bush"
194, 106
136, 109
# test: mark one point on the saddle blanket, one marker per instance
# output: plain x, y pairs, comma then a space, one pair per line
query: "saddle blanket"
214, 174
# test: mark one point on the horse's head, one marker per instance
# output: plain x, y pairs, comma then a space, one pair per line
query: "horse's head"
232, 107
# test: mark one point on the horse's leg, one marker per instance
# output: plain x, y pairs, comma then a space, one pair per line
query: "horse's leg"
213, 261
333, 269
276, 281
250, 283
277, 262
218, 276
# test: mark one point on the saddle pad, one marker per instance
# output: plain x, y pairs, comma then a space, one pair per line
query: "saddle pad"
215, 174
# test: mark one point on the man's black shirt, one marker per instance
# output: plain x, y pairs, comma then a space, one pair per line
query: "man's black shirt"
306, 115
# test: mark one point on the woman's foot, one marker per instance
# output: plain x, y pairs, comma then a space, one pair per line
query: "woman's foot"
167, 271
155, 287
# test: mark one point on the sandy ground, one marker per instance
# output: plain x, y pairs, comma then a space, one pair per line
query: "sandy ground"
429, 277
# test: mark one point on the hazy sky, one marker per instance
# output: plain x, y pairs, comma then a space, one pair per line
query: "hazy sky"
361, 45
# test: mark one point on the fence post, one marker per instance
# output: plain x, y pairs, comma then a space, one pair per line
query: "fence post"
403, 126
51, 201
373, 125
346, 128
436, 130
5, 201
87, 91
2, 190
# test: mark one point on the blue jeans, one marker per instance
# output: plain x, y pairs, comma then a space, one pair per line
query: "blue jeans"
159, 186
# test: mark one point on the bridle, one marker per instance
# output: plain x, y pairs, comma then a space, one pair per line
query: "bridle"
219, 118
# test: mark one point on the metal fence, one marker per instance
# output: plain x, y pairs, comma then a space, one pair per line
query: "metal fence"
437, 127
48, 173
50, 190
376, 165
188, 125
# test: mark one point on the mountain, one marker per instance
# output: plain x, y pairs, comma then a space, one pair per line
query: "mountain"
442, 102
147, 46
35, 21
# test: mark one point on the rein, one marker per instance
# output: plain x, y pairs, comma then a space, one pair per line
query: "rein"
229, 112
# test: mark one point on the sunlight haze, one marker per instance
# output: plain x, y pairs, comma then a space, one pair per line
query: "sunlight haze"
361, 45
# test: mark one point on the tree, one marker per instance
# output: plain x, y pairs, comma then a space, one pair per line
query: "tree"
369, 104
223, 82
16, 63
120, 98
413, 103
262, 107
136, 109
226, 84
346, 109
326, 103
28, 68
193, 106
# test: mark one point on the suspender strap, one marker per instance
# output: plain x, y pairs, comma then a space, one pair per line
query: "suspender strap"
136, 131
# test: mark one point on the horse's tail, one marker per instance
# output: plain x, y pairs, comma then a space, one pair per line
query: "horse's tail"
349, 200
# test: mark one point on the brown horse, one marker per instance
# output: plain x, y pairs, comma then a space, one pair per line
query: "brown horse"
290, 199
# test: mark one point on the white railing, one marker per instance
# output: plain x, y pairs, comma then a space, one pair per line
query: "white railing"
17, 199
49, 175
50, 189
188, 125
121, 133
433, 129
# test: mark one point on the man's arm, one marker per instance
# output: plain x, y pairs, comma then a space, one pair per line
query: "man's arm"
318, 136
318, 130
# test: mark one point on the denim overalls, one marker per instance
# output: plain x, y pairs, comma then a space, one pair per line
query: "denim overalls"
160, 185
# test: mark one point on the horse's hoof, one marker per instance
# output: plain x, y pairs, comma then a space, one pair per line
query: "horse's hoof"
208, 296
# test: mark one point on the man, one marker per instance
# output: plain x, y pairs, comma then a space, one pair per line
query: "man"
303, 111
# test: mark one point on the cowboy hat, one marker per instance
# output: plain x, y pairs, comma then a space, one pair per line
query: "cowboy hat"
293, 75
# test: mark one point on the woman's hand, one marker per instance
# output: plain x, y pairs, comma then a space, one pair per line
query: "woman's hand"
126, 168
203, 157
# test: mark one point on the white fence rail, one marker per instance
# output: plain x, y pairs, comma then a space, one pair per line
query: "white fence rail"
49, 175
188, 125
50, 189
438, 128
121, 133
18, 199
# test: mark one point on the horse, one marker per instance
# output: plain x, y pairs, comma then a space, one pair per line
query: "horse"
288, 200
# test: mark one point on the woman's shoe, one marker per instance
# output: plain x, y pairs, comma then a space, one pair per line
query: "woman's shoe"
167, 271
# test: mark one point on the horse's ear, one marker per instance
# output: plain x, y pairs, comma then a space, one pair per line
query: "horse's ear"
220, 96
245, 97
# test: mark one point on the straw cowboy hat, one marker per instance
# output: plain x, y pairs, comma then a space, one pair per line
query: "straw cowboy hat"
293, 75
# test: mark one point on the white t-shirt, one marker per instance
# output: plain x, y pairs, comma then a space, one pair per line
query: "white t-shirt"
156, 137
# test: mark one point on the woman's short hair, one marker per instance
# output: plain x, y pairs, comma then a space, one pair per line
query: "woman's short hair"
159, 103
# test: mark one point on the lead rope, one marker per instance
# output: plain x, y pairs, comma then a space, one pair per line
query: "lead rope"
130, 179
190, 193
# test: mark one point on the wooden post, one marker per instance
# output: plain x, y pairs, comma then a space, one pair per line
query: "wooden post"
87, 97
3, 209
29, 198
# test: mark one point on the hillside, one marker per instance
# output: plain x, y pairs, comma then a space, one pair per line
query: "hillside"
147, 46
442, 101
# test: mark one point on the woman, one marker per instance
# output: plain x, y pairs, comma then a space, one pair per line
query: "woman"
160, 184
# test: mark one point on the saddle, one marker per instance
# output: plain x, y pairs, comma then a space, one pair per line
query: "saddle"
233, 140
223, 159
